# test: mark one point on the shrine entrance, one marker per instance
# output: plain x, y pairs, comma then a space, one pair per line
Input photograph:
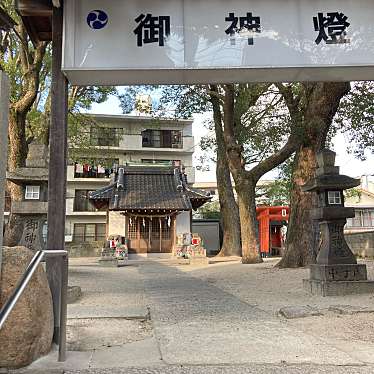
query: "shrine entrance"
194, 43
150, 234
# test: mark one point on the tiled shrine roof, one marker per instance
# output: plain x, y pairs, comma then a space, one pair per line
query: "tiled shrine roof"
149, 188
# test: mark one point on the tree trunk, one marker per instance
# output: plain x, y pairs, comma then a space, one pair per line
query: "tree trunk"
247, 212
231, 245
303, 234
301, 239
229, 212
16, 158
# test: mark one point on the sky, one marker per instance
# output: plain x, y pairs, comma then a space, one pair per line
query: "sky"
349, 165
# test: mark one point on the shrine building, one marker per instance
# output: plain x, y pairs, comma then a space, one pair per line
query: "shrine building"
149, 205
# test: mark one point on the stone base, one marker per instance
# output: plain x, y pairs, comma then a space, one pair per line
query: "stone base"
199, 260
108, 261
338, 288
340, 272
74, 293
183, 261
193, 261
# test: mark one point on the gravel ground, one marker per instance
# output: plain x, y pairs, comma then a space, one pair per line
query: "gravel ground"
105, 286
270, 288
219, 318
248, 369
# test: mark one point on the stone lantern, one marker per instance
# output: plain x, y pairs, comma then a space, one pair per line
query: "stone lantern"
32, 209
336, 271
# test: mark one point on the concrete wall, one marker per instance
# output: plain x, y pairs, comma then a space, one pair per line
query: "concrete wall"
30, 207
87, 249
209, 233
183, 223
4, 108
361, 244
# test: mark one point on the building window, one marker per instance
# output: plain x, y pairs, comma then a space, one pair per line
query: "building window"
175, 163
144, 228
133, 228
8, 202
162, 139
334, 197
363, 218
82, 202
166, 232
89, 232
32, 193
104, 136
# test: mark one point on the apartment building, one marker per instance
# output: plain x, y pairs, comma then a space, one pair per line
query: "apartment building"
122, 140
363, 203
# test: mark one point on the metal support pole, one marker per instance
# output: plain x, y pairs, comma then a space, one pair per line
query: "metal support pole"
63, 311
57, 171
4, 110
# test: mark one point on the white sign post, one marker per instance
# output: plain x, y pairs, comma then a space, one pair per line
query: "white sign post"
4, 108
216, 41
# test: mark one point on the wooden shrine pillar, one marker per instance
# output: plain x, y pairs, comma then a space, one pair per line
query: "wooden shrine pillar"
57, 168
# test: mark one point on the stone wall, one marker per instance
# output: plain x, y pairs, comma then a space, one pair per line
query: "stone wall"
361, 244
86, 249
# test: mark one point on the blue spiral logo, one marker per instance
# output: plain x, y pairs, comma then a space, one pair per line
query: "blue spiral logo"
97, 19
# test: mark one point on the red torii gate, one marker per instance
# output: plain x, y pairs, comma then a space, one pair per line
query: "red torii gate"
266, 215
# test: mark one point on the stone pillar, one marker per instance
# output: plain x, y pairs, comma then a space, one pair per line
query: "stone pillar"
4, 109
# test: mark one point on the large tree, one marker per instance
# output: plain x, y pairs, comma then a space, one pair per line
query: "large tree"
23, 62
258, 138
29, 66
231, 244
312, 106
355, 118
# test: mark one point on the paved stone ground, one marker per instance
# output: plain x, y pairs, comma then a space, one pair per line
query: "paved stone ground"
247, 369
200, 317
220, 318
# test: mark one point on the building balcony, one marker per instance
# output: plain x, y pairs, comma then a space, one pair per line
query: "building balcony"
86, 214
72, 176
134, 143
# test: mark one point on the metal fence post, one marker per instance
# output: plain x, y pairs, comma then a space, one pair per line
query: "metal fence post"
63, 311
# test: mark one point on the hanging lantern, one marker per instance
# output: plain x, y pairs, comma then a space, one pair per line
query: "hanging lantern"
143, 222
169, 221
130, 221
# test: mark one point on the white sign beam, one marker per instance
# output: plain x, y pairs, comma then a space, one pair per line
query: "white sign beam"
215, 41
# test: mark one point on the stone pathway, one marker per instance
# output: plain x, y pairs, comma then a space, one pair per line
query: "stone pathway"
216, 319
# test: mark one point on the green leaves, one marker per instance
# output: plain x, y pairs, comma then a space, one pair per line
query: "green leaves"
355, 118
